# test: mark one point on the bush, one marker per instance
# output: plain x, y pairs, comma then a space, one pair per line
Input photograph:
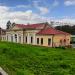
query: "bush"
62, 47
69, 46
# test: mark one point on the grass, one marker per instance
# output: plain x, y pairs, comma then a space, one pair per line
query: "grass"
17, 59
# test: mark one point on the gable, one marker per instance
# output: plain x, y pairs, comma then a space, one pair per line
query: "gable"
15, 28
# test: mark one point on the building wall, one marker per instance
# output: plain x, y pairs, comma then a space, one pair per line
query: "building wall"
57, 38
45, 40
21, 37
3, 37
10, 36
29, 34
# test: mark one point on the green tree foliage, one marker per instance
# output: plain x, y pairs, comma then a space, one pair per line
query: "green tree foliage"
8, 25
67, 28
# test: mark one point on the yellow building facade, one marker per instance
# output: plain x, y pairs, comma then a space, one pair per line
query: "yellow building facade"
37, 34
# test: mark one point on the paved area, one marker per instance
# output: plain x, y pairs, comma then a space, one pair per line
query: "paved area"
2, 72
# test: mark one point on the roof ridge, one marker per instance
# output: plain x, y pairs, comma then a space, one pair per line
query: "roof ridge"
51, 30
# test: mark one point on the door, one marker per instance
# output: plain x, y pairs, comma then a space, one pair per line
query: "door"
49, 41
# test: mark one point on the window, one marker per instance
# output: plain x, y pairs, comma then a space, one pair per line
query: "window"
15, 38
26, 39
49, 41
31, 39
37, 40
64, 40
41, 41
61, 41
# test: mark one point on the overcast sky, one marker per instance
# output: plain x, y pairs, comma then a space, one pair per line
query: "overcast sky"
35, 11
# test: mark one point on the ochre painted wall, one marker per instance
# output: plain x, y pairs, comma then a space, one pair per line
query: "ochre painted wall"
45, 40
57, 38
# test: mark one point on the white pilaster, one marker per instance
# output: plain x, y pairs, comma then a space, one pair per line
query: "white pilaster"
21, 38
34, 39
9, 37
13, 38
28, 39
17, 38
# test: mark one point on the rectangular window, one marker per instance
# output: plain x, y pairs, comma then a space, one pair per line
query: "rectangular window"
16, 38
26, 39
37, 40
31, 39
41, 41
49, 41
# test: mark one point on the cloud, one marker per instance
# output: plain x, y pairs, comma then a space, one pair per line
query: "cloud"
23, 6
69, 2
22, 17
43, 9
55, 3
3, 9
68, 20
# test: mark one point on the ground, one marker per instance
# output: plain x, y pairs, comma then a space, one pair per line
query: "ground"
17, 59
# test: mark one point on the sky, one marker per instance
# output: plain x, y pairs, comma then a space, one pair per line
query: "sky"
36, 11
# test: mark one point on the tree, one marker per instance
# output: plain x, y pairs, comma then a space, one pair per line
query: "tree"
67, 28
8, 25
13, 24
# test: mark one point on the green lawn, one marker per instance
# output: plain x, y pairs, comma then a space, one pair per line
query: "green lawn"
17, 59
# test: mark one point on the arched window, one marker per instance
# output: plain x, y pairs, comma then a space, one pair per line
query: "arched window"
41, 41
61, 41
37, 40
49, 41
26, 39
64, 40
15, 37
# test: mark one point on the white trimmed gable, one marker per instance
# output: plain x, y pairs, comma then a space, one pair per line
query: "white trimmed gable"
15, 28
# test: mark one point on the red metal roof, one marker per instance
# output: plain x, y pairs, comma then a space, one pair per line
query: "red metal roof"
31, 26
44, 29
51, 31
